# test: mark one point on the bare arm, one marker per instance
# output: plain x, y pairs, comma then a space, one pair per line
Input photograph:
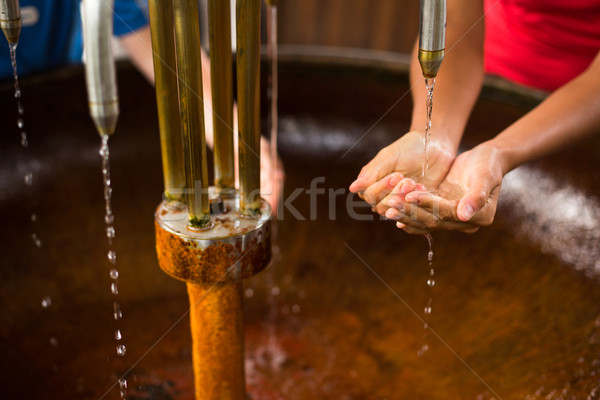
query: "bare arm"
570, 113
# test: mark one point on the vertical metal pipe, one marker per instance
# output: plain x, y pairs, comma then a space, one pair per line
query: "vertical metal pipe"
432, 36
248, 96
219, 33
100, 65
165, 77
10, 20
189, 68
217, 332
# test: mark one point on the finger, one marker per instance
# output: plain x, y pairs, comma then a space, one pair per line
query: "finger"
410, 229
380, 189
442, 208
381, 165
418, 218
474, 200
399, 216
396, 197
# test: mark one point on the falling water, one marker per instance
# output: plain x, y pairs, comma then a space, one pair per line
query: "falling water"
111, 255
28, 177
429, 84
430, 284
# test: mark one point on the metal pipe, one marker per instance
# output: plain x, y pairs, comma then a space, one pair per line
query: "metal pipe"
189, 69
165, 77
432, 36
10, 20
219, 33
248, 96
99, 64
218, 340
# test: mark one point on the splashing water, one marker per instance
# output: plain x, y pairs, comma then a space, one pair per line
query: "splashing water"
429, 84
111, 254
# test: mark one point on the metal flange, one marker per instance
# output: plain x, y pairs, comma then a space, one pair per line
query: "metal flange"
233, 249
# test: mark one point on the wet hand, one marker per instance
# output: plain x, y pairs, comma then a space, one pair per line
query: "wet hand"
466, 199
402, 159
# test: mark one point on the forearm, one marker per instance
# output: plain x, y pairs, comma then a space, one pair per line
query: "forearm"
460, 77
569, 114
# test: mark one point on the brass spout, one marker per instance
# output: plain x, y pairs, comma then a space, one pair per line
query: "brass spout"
432, 36
189, 68
10, 20
99, 64
219, 33
165, 77
248, 96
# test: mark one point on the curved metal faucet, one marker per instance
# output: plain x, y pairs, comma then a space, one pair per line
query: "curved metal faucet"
99, 64
432, 36
10, 20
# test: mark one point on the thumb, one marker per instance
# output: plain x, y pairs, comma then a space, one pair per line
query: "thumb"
379, 167
474, 200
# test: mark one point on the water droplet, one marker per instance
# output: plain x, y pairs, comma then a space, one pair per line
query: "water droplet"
121, 350
109, 218
118, 335
46, 302
430, 256
431, 272
114, 289
17, 93
117, 313
114, 273
249, 292
430, 283
295, 308
24, 141
123, 383
20, 108
112, 256
275, 291
54, 341
423, 350
33, 217
36, 240
427, 310
29, 179
20, 123
110, 232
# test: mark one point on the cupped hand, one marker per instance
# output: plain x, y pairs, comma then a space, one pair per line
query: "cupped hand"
399, 160
465, 200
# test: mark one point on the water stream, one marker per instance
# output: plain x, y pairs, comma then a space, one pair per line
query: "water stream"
111, 255
429, 84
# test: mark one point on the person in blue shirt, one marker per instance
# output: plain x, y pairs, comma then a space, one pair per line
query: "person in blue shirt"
51, 36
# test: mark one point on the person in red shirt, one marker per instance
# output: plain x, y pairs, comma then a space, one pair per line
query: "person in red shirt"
550, 45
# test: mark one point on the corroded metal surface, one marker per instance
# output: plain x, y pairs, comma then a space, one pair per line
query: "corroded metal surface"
234, 249
217, 334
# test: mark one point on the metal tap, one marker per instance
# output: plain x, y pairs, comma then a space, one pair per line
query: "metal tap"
99, 64
10, 20
432, 36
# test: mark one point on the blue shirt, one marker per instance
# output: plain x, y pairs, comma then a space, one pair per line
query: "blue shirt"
51, 35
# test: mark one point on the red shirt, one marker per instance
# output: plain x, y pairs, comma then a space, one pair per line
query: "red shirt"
541, 43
